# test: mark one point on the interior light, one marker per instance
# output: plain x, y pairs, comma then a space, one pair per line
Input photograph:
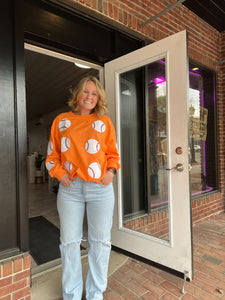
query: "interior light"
82, 66
126, 92
195, 69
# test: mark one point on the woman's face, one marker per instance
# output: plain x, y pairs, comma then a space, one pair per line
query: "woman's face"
89, 98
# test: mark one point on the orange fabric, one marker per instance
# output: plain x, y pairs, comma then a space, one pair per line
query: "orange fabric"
83, 146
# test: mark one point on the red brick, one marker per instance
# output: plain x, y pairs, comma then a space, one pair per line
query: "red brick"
206, 287
149, 296
13, 287
117, 287
21, 275
156, 290
194, 290
19, 285
4, 291
17, 265
5, 282
112, 296
27, 262
189, 297
153, 277
215, 267
6, 297
136, 288
7, 269
168, 296
205, 278
21, 293
130, 296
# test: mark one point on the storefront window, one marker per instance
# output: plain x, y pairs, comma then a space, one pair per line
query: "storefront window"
202, 130
144, 136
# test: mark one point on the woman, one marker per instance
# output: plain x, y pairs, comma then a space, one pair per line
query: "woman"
82, 155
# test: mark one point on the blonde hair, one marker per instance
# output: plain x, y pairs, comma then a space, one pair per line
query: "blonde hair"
101, 106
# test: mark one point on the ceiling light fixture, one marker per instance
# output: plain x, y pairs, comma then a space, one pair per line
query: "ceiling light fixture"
82, 66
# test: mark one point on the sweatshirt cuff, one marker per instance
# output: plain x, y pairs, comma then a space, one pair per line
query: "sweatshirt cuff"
113, 166
59, 174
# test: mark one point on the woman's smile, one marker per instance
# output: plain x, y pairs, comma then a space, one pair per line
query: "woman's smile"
88, 99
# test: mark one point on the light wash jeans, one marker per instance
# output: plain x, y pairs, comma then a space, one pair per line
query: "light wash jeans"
71, 202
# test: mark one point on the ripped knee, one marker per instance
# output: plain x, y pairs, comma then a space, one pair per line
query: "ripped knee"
102, 242
76, 242
106, 243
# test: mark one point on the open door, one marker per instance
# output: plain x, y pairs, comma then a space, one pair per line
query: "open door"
147, 91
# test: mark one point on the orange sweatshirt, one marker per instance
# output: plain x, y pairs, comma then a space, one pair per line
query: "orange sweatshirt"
83, 146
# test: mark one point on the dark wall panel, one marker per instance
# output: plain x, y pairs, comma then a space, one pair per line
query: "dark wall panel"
52, 26
13, 200
8, 215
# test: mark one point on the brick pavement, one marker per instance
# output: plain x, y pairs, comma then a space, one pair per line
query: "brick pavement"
138, 280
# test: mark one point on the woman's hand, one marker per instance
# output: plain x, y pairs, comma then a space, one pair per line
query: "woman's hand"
66, 179
108, 178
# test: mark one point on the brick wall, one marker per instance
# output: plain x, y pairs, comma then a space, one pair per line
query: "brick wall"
156, 224
203, 39
206, 46
221, 110
15, 278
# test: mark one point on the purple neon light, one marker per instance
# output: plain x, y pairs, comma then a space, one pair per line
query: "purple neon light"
159, 80
202, 99
159, 203
193, 73
200, 192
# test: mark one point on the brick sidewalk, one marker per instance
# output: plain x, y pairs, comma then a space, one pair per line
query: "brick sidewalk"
137, 280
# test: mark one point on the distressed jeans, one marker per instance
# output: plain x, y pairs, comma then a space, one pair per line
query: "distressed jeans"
71, 201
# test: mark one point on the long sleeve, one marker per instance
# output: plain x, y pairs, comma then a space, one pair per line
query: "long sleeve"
112, 154
53, 161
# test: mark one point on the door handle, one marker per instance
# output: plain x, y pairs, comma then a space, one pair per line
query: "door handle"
178, 167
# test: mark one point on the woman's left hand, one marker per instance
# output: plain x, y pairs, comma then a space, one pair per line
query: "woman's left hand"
108, 178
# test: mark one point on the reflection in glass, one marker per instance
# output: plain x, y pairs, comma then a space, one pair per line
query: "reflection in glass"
202, 136
144, 150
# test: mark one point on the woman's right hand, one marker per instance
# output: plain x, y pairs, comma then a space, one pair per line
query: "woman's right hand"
66, 180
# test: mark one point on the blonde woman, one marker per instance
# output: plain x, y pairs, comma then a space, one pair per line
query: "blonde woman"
82, 155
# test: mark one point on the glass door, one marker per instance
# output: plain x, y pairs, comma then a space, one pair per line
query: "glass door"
147, 91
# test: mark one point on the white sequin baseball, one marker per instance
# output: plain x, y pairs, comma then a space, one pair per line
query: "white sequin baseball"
68, 166
50, 147
94, 170
99, 126
65, 144
92, 146
64, 124
50, 165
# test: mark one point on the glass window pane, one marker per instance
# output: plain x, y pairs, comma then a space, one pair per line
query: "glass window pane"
132, 139
202, 130
144, 149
